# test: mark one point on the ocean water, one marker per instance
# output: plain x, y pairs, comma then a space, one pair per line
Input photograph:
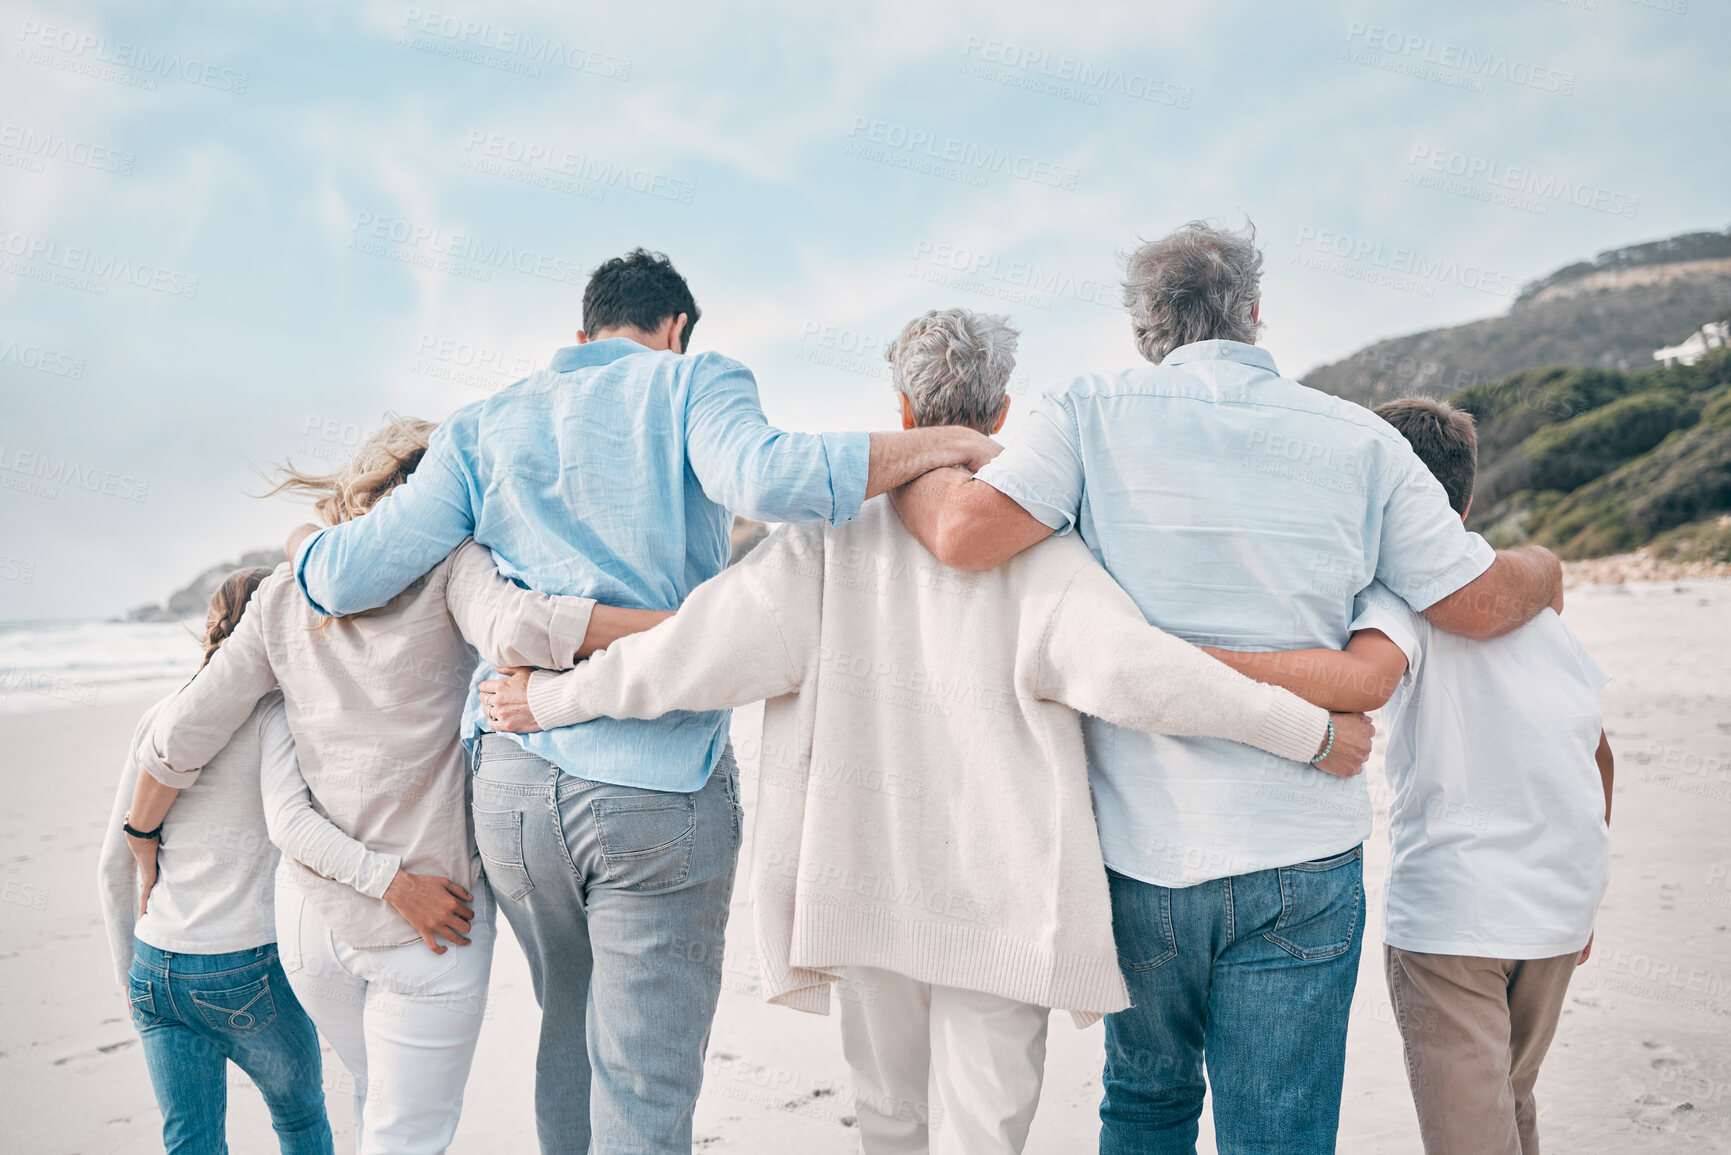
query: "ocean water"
72, 665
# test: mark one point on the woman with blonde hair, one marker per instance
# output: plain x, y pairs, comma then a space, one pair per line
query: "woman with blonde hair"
375, 703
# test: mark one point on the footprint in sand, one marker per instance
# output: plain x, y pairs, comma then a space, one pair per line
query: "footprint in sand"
109, 1049
1655, 1113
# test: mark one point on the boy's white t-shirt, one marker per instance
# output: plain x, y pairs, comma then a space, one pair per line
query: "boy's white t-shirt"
1497, 823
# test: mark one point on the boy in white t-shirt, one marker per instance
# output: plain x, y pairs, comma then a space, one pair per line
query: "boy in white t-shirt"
1499, 828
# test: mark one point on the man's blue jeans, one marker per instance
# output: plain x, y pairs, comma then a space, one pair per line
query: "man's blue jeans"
1254, 976
196, 1012
620, 898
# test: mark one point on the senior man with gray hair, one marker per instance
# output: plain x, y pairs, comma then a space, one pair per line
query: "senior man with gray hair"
1240, 510
923, 839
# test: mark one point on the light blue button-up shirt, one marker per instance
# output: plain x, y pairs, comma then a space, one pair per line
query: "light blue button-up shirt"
610, 474
1242, 510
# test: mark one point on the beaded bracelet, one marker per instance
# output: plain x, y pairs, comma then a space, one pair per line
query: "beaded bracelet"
1327, 746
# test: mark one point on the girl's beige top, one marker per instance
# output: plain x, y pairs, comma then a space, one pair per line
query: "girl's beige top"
375, 703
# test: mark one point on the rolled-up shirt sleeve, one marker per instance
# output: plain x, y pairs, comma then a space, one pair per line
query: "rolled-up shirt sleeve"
1426, 553
510, 625
758, 471
1041, 471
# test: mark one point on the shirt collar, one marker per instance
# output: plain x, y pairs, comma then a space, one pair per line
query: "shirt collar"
594, 353
1222, 351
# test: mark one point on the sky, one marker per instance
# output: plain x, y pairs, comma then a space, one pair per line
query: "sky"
233, 237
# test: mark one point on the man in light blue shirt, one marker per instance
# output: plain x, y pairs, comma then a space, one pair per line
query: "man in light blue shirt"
613, 474
1240, 510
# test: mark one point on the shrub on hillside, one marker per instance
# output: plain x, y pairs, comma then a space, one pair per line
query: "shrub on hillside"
1573, 452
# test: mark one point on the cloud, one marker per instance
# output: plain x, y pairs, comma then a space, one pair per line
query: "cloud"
730, 137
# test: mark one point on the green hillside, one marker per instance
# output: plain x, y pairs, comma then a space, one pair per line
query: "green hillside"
1597, 461
1607, 313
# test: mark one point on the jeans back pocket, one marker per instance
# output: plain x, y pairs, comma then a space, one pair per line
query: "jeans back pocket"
1320, 903
646, 839
499, 838
238, 1010
1141, 923
141, 999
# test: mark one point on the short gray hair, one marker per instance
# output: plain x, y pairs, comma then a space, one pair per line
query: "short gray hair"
1197, 284
954, 366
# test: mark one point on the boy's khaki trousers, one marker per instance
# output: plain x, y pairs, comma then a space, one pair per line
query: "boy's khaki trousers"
1475, 1031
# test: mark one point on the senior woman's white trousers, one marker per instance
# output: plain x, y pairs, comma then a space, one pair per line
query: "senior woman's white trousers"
939, 1069
403, 1020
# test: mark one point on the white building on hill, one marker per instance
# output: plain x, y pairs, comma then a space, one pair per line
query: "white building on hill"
1712, 335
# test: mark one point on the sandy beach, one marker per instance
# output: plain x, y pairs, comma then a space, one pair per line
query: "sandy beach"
1642, 1061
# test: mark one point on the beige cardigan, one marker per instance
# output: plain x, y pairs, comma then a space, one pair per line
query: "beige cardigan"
374, 702
922, 802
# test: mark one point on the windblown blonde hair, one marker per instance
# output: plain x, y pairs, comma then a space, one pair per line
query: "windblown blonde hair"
383, 462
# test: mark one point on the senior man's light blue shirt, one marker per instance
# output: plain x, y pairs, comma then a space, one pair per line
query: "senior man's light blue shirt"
610, 475
1241, 510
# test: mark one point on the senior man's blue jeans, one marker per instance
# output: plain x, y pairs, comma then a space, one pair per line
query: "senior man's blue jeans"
1249, 977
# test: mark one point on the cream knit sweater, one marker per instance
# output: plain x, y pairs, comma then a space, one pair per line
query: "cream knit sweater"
922, 800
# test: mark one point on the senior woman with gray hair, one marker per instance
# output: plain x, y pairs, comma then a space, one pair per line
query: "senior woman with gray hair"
1243, 511
923, 837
